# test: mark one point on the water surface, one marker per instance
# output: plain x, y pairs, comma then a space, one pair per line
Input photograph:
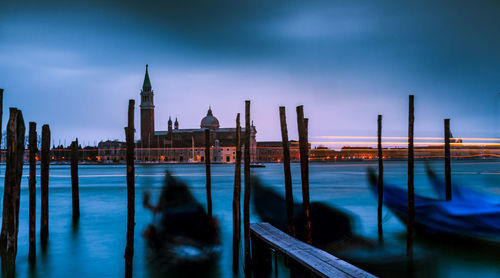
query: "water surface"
95, 248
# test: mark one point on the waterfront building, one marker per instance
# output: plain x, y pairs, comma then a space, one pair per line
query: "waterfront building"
186, 145
111, 151
272, 151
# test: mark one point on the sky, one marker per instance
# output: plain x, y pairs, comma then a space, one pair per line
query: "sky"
75, 65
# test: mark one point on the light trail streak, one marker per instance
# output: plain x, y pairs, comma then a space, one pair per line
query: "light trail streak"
403, 138
404, 143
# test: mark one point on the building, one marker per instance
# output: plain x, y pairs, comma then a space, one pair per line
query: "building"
272, 151
111, 151
186, 145
147, 112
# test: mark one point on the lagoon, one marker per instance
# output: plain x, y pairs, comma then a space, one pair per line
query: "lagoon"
95, 248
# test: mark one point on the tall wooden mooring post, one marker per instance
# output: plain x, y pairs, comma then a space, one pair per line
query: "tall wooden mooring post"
12, 191
129, 134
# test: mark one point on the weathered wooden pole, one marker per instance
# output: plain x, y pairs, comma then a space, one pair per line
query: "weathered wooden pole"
74, 181
236, 198
32, 193
208, 174
12, 190
411, 193
1, 119
129, 134
246, 197
261, 257
287, 172
380, 188
302, 125
44, 185
447, 160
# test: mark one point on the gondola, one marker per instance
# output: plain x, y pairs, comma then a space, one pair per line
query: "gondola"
460, 217
182, 238
332, 231
458, 192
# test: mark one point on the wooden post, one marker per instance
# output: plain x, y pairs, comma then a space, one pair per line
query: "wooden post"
236, 198
74, 181
129, 134
32, 193
246, 198
302, 125
261, 257
12, 190
287, 172
207, 172
447, 166
380, 187
44, 185
1, 119
411, 194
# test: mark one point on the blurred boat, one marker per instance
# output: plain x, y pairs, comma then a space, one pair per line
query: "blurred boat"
477, 218
332, 231
458, 192
182, 238
257, 165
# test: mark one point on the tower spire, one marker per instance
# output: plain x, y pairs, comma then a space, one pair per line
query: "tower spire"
147, 112
147, 83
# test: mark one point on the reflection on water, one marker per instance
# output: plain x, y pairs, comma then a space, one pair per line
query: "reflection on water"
94, 247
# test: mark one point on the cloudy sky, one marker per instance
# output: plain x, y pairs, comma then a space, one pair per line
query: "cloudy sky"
75, 65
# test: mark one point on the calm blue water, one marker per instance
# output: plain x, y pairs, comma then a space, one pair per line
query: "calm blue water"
96, 247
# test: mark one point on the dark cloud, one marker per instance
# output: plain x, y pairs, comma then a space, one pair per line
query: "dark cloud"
333, 51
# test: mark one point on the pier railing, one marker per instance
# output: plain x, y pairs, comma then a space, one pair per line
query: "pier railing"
304, 259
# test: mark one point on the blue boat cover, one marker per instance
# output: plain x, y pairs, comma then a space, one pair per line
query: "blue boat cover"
470, 213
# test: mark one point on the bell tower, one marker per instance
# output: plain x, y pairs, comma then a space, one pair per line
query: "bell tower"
147, 112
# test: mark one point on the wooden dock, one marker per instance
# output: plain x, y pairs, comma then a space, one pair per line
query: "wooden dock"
314, 260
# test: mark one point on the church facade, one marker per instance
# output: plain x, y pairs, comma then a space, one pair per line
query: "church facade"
186, 145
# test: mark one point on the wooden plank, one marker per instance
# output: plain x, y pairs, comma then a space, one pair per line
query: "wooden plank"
318, 261
312, 258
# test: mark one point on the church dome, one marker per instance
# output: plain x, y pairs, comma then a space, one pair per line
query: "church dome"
209, 121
